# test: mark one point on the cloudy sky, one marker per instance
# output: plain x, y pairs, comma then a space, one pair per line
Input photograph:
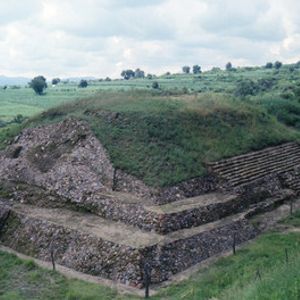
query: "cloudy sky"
102, 37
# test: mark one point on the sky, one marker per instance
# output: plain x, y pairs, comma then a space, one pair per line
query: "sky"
71, 38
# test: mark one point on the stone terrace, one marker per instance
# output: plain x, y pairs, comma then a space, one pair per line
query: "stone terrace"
61, 192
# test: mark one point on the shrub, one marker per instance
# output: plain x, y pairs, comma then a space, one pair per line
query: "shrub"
155, 85
38, 84
265, 84
186, 69
83, 83
246, 87
55, 81
228, 66
196, 69
127, 74
19, 119
139, 74
269, 65
277, 65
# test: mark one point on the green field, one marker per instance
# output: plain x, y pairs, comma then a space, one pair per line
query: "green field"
230, 278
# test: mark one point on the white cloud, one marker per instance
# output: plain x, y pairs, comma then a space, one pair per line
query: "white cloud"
102, 37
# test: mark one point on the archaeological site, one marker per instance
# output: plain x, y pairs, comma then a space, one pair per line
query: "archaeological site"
60, 193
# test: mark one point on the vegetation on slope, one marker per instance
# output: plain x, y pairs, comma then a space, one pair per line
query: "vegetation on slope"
167, 135
258, 271
167, 139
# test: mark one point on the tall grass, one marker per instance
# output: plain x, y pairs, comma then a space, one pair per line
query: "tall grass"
167, 139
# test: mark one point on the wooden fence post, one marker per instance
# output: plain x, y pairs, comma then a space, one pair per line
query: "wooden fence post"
234, 244
147, 279
52, 254
286, 255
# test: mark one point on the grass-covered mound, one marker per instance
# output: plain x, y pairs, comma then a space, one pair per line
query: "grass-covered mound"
167, 139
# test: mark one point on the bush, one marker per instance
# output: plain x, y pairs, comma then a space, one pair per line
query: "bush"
38, 84
127, 74
196, 69
83, 83
277, 65
155, 85
265, 84
186, 69
246, 87
228, 66
138, 73
269, 65
18, 119
55, 81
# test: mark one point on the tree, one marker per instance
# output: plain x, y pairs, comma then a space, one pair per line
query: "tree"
277, 65
149, 76
186, 69
127, 74
155, 85
38, 84
107, 79
139, 74
269, 65
83, 83
55, 81
196, 69
229, 66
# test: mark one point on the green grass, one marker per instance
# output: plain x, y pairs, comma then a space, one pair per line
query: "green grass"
293, 220
23, 280
164, 137
233, 277
167, 139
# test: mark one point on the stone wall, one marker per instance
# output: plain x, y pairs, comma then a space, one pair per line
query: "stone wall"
82, 252
180, 254
92, 255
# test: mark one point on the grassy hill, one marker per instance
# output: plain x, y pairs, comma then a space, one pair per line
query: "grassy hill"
166, 135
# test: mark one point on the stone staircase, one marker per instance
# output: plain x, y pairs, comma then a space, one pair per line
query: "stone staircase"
249, 167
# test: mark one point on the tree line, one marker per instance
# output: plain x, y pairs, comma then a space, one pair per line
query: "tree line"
39, 83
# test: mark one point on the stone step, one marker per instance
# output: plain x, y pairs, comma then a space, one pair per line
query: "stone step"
259, 174
244, 158
162, 219
192, 212
293, 183
195, 211
259, 164
256, 164
253, 175
113, 250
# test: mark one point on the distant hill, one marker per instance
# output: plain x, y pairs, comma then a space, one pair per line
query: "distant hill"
4, 80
